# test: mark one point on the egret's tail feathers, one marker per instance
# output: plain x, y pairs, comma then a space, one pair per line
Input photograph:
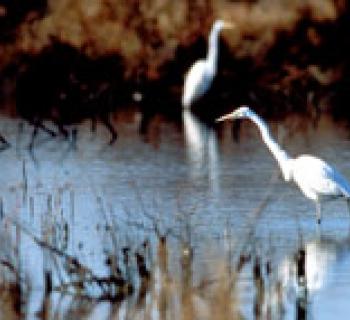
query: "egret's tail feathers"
345, 189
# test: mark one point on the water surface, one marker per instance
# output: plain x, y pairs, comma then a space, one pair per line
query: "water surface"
216, 199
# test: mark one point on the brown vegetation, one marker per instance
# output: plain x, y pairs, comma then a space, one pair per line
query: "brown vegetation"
282, 55
147, 34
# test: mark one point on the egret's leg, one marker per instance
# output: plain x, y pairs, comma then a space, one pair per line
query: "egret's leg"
318, 212
348, 203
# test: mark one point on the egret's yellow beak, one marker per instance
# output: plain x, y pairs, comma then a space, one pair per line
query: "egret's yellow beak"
228, 116
229, 25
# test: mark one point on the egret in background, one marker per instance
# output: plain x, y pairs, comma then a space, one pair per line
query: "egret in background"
200, 76
316, 179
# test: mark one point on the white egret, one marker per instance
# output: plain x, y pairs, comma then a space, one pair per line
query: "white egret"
316, 179
200, 76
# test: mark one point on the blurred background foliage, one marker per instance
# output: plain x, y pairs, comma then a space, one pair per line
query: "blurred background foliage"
278, 42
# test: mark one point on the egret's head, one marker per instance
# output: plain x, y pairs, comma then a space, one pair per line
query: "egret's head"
221, 24
240, 113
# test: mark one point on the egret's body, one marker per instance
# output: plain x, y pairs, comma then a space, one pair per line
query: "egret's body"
200, 76
316, 179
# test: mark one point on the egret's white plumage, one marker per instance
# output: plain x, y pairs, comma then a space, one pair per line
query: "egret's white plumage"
316, 179
200, 76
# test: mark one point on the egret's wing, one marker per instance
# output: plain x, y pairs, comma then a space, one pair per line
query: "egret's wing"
338, 179
197, 82
320, 177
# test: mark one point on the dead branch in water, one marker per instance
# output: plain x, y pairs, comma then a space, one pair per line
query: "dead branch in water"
113, 287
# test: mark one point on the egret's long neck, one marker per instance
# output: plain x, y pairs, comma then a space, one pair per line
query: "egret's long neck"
283, 160
213, 48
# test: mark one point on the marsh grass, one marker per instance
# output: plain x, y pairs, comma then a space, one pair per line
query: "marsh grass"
159, 274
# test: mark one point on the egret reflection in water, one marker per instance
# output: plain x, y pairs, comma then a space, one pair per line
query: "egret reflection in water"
300, 282
201, 150
316, 258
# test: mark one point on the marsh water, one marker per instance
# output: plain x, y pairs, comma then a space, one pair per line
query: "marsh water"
204, 205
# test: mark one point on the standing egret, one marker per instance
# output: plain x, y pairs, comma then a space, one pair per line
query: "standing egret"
200, 76
316, 179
